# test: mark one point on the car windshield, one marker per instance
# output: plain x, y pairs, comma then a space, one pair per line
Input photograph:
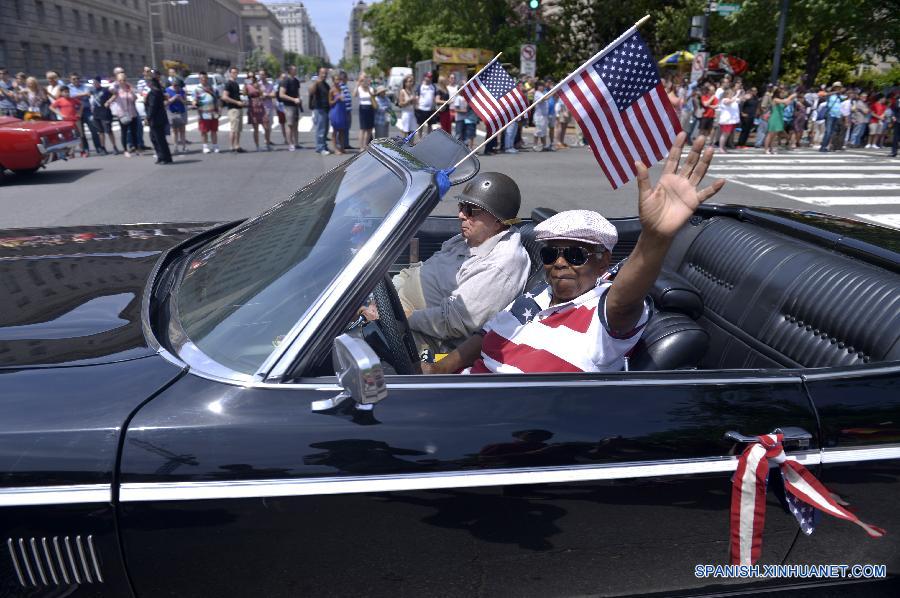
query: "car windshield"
192, 80
242, 293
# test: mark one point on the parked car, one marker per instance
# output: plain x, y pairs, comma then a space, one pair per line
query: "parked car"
195, 409
26, 146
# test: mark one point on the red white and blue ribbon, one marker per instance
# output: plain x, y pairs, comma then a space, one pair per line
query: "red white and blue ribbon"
748, 498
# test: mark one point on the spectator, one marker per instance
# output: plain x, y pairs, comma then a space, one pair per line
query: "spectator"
541, 112
384, 113
348, 107
729, 117
8, 95
143, 87
176, 102
65, 107
895, 121
206, 100
279, 107
53, 85
551, 114
123, 106
442, 95
157, 118
425, 103
82, 92
763, 113
38, 106
459, 107
799, 124
832, 114
509, 135
256, 112
469, 124
842, 125
709, 102
21, 97
859, 118
319, 103
452, 88
363, 92
563, 118
338, 115
267, 89
877, 122
231, 99
776, 118
289, 93
748, 116
173, 77
407, 101
102, 117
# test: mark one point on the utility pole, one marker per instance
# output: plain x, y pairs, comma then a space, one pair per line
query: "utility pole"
706, 12
779, 41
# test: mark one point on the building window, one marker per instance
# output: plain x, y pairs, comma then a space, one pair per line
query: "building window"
26, 56
109, 61
82, 61
66, 61
19, 10
96, 67
41, 11
3, 58
137, 5
105, 25
128, 30
92, 24
59, 16
48, 57
77, 18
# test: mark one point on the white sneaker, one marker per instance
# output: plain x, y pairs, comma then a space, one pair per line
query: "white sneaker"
206, 149
215, 149
291, 148
869, 146
511, 151
876, 147
324, 153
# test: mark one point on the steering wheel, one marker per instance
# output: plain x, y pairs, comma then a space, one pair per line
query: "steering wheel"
392, 320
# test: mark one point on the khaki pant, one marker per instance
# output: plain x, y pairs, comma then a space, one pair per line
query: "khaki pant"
409, 288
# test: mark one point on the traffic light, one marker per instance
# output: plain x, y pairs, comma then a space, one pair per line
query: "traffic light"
697, 26
534, 4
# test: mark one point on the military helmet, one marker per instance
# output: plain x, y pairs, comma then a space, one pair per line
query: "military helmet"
496, 193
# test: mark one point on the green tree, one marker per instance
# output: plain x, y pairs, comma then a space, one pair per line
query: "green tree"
260, 59
306, 65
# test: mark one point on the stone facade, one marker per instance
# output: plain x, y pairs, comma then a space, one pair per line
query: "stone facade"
87, 36
261, 29
298, 33
204, 34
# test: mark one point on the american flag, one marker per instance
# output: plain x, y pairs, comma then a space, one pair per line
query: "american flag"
623, 110
494, 97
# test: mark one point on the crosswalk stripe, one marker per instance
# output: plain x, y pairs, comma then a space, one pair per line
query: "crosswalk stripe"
757, 163
805, 169
803, 187
847, 200
892, 220
818, 175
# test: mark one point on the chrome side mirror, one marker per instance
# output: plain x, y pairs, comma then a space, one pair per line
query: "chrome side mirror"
359, 373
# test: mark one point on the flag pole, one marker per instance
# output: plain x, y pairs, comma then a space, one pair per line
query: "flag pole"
556, 87
451, 98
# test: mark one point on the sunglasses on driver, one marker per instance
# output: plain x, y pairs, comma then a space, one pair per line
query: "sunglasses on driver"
575, 255
469, 210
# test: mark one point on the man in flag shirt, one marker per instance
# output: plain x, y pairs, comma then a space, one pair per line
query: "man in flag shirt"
623, 109
579, 321
494, 96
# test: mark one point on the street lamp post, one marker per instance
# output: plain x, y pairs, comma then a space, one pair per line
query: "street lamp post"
150, 16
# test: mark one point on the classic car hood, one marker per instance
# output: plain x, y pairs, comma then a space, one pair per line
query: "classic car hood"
44, 127
72, 296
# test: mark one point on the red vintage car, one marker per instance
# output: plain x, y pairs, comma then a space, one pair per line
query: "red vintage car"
26, 146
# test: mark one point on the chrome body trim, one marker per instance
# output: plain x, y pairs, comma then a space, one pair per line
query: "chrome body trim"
37, 560
45, 545
849, 372
863, 453
71, 556
84, 564
166, 491
55, 495
27, 562
10, 546
60, 560
93, 551
46, 150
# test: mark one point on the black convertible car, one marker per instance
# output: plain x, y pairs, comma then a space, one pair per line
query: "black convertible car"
194, 409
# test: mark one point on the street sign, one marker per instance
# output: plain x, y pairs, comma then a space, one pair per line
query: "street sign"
698, 66
727, 9
693, 47
528, 59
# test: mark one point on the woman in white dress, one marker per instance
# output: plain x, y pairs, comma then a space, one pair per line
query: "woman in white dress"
407, 102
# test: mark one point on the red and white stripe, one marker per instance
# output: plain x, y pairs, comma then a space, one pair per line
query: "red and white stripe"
748, 497
642, 132
495, 112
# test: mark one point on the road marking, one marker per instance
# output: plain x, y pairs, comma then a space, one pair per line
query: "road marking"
818, 175
848, 200
892, 220
809, 169
803, 187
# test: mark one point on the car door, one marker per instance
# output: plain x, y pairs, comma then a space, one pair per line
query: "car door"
532, 485
859, 410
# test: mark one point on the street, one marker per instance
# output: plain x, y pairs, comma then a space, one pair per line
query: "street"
861, 184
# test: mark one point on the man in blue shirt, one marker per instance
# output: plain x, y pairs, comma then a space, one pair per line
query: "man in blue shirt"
81, 91
832, 113
348, 103
7, 95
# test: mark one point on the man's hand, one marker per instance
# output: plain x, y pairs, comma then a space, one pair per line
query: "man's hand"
665, 208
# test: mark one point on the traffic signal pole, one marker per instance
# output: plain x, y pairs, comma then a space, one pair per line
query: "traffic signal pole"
779, 41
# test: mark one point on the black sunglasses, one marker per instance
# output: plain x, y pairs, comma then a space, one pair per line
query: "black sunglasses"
573, 254
469, 210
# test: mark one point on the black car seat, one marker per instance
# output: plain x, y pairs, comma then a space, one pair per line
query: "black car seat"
672, 339
532, 246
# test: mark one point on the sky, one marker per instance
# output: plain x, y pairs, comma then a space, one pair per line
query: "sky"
331, 18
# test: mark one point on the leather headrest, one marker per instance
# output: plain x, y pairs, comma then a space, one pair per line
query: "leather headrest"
673, 292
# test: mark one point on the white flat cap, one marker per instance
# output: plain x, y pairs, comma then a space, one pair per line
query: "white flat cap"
583, 226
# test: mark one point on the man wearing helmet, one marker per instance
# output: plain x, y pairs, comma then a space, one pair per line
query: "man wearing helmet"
578, 321
475, 274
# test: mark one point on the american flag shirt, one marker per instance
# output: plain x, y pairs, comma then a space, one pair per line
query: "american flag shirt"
531, 336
